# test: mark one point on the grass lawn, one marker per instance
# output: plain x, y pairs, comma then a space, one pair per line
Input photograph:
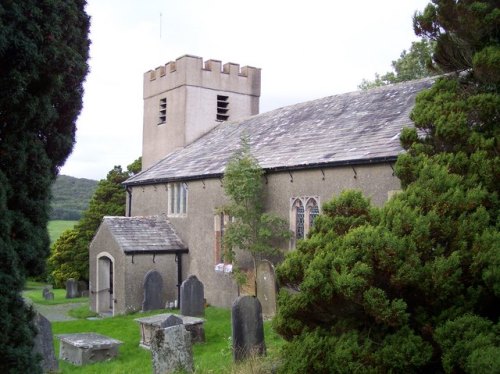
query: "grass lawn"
56, 228
213, 356
33, 291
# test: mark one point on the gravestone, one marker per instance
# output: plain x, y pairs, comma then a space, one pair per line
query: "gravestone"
87, 348
192, 297
247, 328
48, 296
153, 291
170, 321
266, 288
44, 344
72, 289
171, 350
82, 286
85, 293
45, 290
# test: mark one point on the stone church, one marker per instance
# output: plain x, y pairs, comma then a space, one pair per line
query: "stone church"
195, 114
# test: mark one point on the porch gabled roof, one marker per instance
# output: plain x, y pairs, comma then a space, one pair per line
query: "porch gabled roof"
144, 234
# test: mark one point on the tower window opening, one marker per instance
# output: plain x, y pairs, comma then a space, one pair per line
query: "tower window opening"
163, 111
222, 108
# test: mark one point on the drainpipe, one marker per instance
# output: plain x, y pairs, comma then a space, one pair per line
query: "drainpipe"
129, 192
178, 259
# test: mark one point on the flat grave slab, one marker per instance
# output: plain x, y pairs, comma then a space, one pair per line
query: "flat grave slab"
85, 348
149, 325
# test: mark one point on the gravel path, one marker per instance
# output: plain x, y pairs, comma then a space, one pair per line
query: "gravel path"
57, 312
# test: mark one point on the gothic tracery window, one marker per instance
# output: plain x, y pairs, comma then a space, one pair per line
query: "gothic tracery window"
304, 211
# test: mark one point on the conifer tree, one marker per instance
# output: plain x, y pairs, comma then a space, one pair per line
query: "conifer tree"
43, 62
414, 286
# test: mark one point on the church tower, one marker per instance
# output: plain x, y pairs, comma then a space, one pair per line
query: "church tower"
186, 98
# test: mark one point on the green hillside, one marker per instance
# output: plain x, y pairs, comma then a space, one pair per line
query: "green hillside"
70, 197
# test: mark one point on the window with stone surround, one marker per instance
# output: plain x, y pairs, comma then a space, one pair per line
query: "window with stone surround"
221, 221
177, 198
303, 211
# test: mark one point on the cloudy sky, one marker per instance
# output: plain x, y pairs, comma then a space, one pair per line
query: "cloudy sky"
306, 50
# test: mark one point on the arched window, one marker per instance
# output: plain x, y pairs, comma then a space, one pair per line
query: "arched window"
299, 220
303, 211
312, 212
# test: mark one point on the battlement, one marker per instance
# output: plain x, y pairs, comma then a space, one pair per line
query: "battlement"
187, 62
193, 71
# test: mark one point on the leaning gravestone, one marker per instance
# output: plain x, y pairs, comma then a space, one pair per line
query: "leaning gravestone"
266, 288
247, 328
72, 289
171, 350
153, 291
192, 297
44, 344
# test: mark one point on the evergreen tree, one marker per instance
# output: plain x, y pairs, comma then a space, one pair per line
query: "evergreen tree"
414, 286
43, 62
70, 252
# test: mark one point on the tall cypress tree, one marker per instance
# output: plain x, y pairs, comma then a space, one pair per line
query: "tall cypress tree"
43, 62
414, 286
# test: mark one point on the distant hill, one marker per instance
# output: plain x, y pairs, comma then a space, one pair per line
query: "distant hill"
70, 197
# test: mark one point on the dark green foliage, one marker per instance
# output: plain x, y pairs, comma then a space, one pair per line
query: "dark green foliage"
251, 230
70, 255
43, 52
414, 64
413, 286
70, 197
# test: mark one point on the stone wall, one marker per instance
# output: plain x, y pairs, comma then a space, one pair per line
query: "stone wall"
196, 228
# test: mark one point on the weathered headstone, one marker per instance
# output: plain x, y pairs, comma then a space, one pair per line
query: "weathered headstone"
247, 328
266, 288
170, 321
171, 350
153, 291
192, 297
45, 290
72, 289
85, 293
48, 296
82, 286
44, 344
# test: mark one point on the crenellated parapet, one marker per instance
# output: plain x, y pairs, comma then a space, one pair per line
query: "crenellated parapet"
191, 70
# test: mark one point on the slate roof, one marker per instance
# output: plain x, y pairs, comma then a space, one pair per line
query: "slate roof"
353, 128
151, 234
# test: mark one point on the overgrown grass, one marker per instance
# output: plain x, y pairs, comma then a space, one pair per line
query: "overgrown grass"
213, 356
56, 228
33, 290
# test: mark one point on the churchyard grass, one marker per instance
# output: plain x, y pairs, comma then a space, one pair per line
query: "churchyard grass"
33, 291
56, 228
213, 356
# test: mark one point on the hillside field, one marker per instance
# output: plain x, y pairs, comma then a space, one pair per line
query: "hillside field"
57, 227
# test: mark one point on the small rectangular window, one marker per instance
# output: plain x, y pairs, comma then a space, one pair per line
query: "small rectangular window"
177, 198
222, 108
162, 118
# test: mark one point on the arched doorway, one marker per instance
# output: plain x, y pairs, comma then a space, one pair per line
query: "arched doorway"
105, 280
